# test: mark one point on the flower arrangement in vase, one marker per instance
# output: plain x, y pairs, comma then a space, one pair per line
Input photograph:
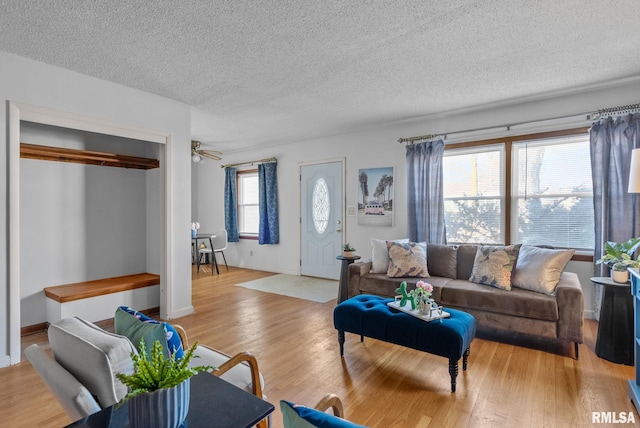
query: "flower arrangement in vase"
422, 296
194, 228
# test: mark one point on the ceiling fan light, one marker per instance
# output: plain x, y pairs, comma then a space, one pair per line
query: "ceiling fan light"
196, 158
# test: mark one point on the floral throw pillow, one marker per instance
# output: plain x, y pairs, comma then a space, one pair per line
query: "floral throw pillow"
494, 265
407, 259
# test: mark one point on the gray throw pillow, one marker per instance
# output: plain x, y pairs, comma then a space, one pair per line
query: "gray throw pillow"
442, 260
539, 269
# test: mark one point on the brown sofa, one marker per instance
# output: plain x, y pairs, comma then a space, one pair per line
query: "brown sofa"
558, 316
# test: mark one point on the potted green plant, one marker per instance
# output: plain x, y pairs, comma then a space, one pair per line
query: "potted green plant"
619, 257
159, 383
348, 250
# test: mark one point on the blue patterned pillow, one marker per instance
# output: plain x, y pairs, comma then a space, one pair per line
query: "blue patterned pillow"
174, 344
294, 416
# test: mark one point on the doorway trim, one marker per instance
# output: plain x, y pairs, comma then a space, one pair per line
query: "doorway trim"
343, 162
26, 112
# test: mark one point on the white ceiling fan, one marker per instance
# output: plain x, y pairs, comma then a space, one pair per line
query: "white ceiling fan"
197, 153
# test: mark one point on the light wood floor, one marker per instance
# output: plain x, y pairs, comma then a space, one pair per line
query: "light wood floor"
510, 381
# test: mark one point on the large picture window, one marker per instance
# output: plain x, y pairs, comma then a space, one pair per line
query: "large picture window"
534, 190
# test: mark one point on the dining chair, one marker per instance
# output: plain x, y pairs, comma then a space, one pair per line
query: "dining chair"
219, 245
204, 252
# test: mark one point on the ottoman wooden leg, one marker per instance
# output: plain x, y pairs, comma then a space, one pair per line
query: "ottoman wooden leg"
465, 357
453, 371
341, 341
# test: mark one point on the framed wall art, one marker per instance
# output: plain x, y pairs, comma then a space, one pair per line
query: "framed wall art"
375, 196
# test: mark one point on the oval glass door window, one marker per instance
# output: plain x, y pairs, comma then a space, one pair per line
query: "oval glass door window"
321, 206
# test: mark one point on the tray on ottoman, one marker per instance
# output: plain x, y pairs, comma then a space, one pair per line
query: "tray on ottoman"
407, 309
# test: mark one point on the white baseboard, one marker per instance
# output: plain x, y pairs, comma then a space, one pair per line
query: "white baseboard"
181, 312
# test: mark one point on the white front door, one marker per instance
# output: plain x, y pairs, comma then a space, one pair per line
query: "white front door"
321, 223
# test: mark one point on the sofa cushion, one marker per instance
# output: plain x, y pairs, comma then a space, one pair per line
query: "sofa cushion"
407, 260
380, 254
493, 265
380, 284
442, 260
539, 269
517, 302
465, 256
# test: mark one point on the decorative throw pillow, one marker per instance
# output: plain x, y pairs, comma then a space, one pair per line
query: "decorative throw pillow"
407, 259
136, 325
380, 254
294, 416
493, 265
539, 269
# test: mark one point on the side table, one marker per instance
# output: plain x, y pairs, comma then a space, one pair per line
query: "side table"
615, 329
344, 276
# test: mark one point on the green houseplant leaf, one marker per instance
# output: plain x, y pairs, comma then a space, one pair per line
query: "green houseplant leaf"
619, 256
152, 372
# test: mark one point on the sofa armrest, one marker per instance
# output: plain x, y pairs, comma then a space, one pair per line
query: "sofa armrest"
356, 270
570, 299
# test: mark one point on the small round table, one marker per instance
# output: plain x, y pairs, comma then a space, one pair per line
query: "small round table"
615, 329
344, 276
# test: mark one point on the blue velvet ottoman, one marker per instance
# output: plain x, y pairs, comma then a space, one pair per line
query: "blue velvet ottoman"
370, 316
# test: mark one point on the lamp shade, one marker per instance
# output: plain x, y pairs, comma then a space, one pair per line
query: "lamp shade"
634, 172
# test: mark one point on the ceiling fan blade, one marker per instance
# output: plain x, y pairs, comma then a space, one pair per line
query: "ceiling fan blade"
210, 154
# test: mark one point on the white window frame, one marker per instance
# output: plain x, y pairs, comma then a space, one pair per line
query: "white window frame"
510, 205
240, 176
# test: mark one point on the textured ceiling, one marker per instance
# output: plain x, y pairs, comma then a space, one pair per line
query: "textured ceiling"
268, 72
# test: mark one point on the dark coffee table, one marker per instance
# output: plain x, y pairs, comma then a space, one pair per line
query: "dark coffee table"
214, 403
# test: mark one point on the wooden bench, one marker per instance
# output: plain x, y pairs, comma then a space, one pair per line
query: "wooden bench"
98, 299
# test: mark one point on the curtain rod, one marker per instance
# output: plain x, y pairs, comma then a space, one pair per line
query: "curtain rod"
590, 115
267, 160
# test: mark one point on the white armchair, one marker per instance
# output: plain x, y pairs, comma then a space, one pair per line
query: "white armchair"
82, 373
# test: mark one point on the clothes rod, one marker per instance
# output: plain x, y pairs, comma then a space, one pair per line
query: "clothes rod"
590, 115
267, 160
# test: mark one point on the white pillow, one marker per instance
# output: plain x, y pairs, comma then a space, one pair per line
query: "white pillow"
380, 254
539, 269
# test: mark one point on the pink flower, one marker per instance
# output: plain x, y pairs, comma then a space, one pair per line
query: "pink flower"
425, 286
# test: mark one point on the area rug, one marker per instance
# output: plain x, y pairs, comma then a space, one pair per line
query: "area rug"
301, 287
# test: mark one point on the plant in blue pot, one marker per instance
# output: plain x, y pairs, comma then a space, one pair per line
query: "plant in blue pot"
159, 387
